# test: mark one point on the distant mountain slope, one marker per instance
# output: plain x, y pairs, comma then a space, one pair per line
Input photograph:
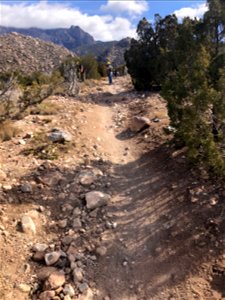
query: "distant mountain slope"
27, 54
78, 41
69, 38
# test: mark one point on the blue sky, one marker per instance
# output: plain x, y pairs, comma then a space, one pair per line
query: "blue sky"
105, 20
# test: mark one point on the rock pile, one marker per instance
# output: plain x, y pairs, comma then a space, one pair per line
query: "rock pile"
62, 264
27, 54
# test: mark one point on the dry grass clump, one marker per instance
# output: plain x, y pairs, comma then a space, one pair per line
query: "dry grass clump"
8, 130
42, 148
45, 108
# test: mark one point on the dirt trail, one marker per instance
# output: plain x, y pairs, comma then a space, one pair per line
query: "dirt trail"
147, 255
160, 244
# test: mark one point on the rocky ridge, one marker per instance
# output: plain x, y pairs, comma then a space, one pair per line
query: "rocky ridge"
27, 54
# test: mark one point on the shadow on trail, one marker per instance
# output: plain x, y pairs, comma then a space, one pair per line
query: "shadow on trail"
125, 135
161, 235
110, 99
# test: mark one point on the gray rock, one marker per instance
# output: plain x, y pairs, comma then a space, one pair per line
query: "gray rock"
83, 287
86, 178
76, 212
58, 136
52, 257
69, 290
77, 275
77, 223
96, 199
138, 123
62, 223
26, 188
28, 225
38, 247
67, 207
101, 251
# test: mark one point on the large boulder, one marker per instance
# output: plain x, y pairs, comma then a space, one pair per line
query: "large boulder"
139, 123
96, 199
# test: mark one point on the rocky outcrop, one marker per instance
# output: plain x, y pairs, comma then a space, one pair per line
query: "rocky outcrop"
28, 55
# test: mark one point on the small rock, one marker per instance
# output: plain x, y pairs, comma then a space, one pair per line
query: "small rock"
86, 178
213, 201
77, 275
60, 136
26, 188
28, 225
22, 142
62, 223
101, 251
125, 263
76, 212
156, 120
44, 272
67, 240
114, 225
93, 213
25, 288
71, 250
194, 199
38, 256
96, 199
67, 207
68, 290
41, 208
108, 225
51, 258
54, 281
83, 287
47, 295
6, 187
38, 247
77, 223
67, 297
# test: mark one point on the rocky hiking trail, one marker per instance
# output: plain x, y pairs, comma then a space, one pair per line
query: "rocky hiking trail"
119, 215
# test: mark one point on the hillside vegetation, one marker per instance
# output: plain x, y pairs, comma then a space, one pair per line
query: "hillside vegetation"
186, 61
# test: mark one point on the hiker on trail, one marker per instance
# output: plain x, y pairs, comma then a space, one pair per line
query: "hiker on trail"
80, 71
109, 71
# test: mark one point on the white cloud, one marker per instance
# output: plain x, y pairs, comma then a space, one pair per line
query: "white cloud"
132, 7
192, 12
53, 15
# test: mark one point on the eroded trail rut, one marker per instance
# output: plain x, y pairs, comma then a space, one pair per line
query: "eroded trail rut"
146, 251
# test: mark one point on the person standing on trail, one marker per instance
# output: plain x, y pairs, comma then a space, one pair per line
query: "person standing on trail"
80, 71
109, 71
